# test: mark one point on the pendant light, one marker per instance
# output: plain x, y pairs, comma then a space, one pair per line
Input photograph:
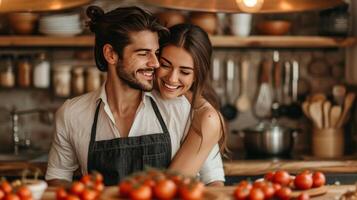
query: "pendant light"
252, 6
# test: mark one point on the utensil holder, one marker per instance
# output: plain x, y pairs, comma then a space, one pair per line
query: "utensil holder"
328, 143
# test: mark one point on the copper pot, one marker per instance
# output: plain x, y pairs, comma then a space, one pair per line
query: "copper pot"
207, 21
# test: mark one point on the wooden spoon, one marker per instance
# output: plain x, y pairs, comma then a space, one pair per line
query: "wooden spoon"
305, 109
315, 110
335, 115
338, 93
350, 97
326, 111
243, 101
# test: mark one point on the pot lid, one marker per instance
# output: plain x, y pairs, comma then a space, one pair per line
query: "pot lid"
39, 5
253, 6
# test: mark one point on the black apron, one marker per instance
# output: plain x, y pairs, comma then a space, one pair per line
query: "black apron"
119, 157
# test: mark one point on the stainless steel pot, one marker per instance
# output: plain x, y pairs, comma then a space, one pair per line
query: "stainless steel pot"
268, 139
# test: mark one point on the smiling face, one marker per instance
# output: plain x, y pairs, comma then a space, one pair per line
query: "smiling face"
175, 75
136, 67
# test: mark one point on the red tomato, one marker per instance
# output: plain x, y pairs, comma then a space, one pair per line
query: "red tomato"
77, 188
72, 197
61, 194
125, 188
269, 176
303, 196
86, 179
23, 192
282, 177
259, 184
165, 189
98, 177
268, 190
303, 181
99, 187
193, 191
89, 194
149, 182
245, 184
276, 186
142, 192
11, 196
177, 179
6, 187
2, 194
319, 179
284, 193
256, 194
241, 193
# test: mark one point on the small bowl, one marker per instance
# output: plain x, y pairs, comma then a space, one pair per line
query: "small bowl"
274, 27
37, 188
23, 22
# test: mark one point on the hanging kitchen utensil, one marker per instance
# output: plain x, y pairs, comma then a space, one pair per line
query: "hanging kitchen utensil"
264, 100
277, 89
243, 102
294, 108
229, 111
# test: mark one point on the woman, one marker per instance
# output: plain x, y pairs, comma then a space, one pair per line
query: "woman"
184, 70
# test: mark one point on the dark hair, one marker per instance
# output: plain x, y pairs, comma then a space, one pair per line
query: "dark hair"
115, 26
196, 41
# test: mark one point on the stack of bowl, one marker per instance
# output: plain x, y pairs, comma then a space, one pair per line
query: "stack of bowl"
61, 24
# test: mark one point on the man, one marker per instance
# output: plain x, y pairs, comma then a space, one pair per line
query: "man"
122, 127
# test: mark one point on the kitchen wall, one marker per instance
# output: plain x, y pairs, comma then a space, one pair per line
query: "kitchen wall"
304, 24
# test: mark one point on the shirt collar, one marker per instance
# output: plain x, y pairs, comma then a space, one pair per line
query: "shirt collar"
102, 95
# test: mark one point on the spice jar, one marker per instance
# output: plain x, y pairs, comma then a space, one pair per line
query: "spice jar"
62, 80
77, 81
41, 72
7, 71
93, 81
24, 71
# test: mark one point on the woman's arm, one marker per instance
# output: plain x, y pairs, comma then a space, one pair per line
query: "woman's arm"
196, 148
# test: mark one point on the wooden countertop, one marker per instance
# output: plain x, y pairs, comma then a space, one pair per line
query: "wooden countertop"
232, 168
219, 193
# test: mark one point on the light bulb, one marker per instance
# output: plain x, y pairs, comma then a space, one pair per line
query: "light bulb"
250, 5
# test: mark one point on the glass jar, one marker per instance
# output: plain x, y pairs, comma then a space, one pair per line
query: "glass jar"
7, 71
24, 71
62, 80
41, 72
77, 81
93, 80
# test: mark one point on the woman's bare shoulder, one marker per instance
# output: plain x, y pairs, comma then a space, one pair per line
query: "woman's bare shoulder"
208, 119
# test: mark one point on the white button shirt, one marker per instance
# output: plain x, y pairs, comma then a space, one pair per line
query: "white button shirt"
74, 121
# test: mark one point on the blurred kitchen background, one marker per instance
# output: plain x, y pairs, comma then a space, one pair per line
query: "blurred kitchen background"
264, 67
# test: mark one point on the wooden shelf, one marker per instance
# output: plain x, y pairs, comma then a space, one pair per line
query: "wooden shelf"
217, 41
282, 42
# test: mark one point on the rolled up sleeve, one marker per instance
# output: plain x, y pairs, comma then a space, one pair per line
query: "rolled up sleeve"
62, 161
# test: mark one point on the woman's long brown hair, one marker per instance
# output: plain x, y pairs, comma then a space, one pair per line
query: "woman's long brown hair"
196, 41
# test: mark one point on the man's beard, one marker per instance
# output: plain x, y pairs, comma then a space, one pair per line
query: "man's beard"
131, 81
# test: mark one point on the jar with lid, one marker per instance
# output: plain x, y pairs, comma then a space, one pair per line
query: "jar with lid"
24, 71
62, 80
92, 79
7, 71
41, 72
78, 80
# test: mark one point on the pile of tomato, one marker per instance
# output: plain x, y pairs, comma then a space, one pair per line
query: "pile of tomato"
155, 184
89, 187
9, 192
279, 185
